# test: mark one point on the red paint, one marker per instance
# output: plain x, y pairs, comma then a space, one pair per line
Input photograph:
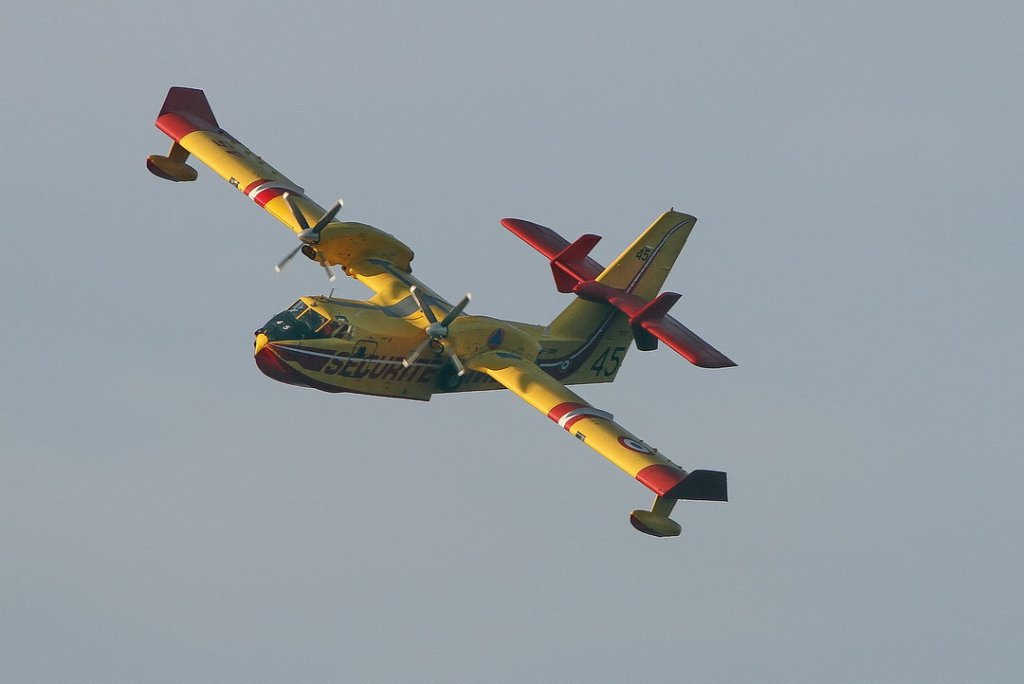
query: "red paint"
275, 368
655, 308
569, 266
560, 410
626, 302
652, 317
190, 101
686, 343
660, 478
185, 110
255, 184
261, 198
176, 126
551, 244
544, 240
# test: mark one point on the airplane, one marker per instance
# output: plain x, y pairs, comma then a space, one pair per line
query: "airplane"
408, 342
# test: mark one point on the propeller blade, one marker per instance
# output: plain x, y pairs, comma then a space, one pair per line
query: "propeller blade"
299, 217
327, 218
415, 353
284, 262
419, 302
455, 360
437, 331
455, 312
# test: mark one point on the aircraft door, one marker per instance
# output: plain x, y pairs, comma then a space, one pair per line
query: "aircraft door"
364, 348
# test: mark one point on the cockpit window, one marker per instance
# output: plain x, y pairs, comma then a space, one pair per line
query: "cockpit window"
300, 322
312, 319
339, 327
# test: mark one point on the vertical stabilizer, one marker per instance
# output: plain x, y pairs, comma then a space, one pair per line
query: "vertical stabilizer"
643, 267
641, 270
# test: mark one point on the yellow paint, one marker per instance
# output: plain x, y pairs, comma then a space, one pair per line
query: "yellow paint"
349, 245
545, 393
359, 346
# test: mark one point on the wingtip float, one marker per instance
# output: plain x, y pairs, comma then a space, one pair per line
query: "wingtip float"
409, 342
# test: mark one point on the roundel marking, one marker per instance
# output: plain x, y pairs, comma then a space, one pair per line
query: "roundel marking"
634, 445
496, 338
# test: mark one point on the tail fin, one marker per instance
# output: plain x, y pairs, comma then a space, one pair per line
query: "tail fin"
641, 270
185, 110
618, 304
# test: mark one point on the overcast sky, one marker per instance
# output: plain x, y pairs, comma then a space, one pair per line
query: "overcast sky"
168, 513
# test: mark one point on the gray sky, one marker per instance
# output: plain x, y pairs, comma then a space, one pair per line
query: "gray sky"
167, 513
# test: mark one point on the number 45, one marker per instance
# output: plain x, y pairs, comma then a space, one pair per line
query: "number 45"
607, 364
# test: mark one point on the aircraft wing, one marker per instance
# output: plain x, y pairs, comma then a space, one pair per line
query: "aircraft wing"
599, 431
187, 118
376, 258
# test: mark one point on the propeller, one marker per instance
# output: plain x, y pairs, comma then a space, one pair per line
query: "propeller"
309, 236
437, 331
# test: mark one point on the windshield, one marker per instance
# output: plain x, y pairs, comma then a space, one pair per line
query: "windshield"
300, 322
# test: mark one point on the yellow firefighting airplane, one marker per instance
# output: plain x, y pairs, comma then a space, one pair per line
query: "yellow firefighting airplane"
408, 342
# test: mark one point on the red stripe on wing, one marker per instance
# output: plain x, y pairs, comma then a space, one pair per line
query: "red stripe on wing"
261, 198
560, 410
255, 184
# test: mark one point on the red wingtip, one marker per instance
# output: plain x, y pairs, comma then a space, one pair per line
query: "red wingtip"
661, 478
185, 110
191, 101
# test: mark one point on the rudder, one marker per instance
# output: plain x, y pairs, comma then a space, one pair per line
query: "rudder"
643, 267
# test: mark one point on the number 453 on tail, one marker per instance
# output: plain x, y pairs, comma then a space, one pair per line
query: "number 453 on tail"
408, 342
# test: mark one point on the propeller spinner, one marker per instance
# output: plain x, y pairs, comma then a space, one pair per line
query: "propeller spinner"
310, 235
437, 331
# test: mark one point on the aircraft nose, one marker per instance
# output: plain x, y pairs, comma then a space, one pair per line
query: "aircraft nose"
261, 342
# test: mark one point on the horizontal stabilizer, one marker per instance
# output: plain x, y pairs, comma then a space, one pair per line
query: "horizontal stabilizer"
575, 271
686, 343
559, 250
651, 319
